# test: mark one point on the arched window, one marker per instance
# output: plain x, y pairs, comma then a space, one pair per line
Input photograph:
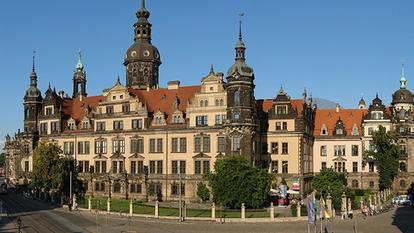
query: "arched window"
117, 187
403, 167
201, 103
205, 103
217, 102
402, 183
236, 98
221, 102
355, 183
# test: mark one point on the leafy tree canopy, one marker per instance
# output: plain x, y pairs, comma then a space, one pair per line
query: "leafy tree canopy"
386, 154
329, 181
50, 170
202, 191
235, 181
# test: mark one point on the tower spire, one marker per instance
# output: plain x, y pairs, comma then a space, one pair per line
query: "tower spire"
403, 80
240, 26
33, 63
240, 47
79, 65
33, 75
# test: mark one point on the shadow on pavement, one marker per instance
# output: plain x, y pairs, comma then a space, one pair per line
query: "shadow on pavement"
404, 219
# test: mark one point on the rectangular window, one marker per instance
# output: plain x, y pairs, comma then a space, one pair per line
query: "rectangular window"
136, 188
174, 144
26, 166
278, 125
206, 167
285, 148
100, 126
133, 169
275, 148
323, 165
285, 168
125, 108
136, 123
109, 109
370, 130
118, 146
323, 151
140, 167
97, 166
152, 167
114, 167
275, 166
284, 125
206, 144
197, 144
235, 144
371, 166
68, 148
201, 120
137, 145
354, 166
183, 145
54, 127
156, 145
220, 143
159, 167
281, 110
218, 120
339, 150
182, 167
159, 145
100, 147
43, 128
174, 167
118, 125
354, 150
197, 167
83, 147
49, 111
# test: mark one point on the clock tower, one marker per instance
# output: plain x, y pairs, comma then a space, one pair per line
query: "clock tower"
142, 59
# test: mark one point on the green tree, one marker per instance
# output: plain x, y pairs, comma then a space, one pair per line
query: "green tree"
235, 181
50, 170
329, 181
386, 154
203, 192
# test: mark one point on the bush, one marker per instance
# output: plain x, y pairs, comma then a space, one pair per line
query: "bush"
202, 191
359, 192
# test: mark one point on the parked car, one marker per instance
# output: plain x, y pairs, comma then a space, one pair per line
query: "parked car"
401, 200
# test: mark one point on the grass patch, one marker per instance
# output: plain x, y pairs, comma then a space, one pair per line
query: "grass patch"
139, 208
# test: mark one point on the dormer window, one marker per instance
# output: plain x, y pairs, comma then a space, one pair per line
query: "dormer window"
324, 130
49, 111
281, 110
125, 108
339, 128
71, 125
339, 131
355, 131
109, 109
376, 115
159, 119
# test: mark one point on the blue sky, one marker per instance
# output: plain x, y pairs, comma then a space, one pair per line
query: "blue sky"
338, 50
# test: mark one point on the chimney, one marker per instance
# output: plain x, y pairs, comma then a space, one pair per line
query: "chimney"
173, 85
337, 107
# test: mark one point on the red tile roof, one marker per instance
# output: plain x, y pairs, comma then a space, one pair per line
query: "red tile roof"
75, 108
329, 117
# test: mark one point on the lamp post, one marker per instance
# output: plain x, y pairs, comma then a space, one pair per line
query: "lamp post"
19, 224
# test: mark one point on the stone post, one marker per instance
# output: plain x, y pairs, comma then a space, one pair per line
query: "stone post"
349, 205
213, 212
343, 205
298, 213
370, 200
131, 207
361, 204
272, 211
329, 205
243, 212
89, 202
108, 205
156, 209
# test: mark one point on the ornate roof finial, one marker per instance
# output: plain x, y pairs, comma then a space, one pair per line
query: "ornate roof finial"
118, 81
142, 12
33, 64
403, 80
79, 65
240, 26
211, 69
281, 91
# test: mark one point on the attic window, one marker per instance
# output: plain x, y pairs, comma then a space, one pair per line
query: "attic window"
211, 88
281, 110
71, 125
324, 130
113, 97
355, 130
121, 97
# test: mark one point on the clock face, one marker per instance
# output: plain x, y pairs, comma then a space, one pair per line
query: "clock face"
157, 55
146, 53
133, 54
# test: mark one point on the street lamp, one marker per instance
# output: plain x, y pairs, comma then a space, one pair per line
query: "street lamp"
19, 224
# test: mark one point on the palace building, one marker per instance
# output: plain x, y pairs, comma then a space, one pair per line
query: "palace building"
138, 138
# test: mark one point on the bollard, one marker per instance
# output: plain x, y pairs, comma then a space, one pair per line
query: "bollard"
213, 212
108, 205
298, 213
156, 209
361, 204
89, 203
243, 212
343, 206
131, 207
272, 211
329, 204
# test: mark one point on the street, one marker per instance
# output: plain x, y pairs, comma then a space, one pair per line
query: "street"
39, 217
